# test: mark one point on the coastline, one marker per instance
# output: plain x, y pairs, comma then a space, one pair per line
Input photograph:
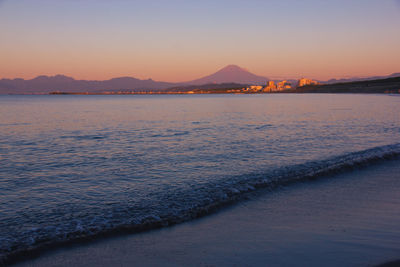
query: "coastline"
351, 219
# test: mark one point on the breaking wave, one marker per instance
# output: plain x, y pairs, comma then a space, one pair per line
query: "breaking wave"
174, 207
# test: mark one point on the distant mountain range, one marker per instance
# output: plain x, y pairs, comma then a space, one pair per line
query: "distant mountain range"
46, 84
60, 83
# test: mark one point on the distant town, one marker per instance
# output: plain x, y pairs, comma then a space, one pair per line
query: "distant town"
270, 87
225, 88
274, 87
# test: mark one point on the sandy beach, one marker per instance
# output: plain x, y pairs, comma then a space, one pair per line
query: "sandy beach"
350, 219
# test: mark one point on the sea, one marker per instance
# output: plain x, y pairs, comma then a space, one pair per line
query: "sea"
76, 167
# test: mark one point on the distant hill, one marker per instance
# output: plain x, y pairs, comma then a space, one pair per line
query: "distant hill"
230, 74
354, 79
379, 86
47, 84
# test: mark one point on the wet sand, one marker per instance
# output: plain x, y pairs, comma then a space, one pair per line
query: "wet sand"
351, 219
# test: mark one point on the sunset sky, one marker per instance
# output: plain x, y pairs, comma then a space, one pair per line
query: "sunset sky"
180, 40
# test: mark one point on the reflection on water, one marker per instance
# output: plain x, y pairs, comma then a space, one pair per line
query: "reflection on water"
78, 162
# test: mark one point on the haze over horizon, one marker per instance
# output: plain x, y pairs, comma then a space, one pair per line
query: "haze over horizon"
179, 41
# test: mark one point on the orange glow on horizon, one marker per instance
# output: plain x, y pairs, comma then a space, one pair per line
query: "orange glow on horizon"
182, 73
176, 43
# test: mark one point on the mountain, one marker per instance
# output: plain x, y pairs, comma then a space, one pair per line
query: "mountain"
230, 74
46, 84
354, 79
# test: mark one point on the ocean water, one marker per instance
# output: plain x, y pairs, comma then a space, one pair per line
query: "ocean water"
78, 166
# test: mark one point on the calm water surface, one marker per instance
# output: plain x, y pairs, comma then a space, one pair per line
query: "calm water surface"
74, 166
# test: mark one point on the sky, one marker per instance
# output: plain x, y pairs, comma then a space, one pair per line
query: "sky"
181, 40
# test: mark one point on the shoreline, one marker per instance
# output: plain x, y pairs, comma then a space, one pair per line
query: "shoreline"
245, 213
318, 170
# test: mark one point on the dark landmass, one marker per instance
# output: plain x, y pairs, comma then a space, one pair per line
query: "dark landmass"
381, 86
208, 88
224, 88
357, 79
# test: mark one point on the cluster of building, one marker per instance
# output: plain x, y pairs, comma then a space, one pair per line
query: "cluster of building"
305, 81
279, 86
